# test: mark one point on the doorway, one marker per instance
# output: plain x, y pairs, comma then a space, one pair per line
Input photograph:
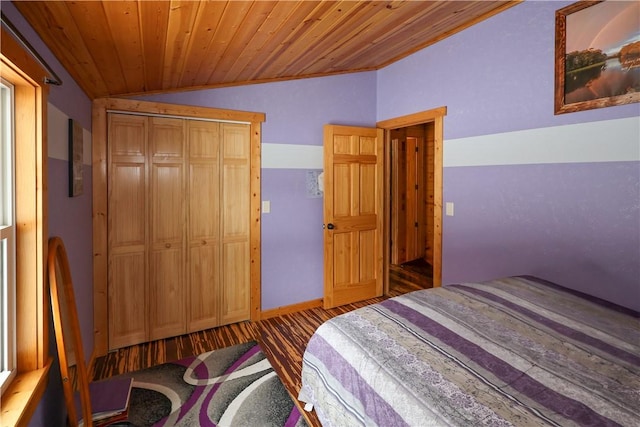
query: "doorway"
413, 251
411, 206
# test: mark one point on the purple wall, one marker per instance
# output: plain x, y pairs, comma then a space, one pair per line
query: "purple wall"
572, 223
292, 254
576, 223
70, 218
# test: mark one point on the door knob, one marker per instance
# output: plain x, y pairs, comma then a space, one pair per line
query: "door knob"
330, 226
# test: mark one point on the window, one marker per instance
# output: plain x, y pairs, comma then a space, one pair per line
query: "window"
23, 92
7, 237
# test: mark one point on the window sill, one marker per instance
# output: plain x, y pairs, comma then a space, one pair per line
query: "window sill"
22, 397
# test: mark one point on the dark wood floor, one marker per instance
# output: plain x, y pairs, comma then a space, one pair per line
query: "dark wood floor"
283, 338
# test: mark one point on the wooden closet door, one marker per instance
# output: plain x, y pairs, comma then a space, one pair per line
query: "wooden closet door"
167, 201
204, 225
127, 230
235, 259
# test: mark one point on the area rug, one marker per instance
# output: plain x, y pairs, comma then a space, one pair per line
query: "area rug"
233, 386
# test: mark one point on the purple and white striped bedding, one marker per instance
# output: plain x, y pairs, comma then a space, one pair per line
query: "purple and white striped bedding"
516, 351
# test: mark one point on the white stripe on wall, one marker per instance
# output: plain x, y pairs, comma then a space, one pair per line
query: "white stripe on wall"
291, 156
58, 136
593, 142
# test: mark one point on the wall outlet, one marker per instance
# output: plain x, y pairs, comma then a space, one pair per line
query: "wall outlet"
448, 208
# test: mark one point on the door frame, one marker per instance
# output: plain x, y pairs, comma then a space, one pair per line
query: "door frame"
435, 116
101, 107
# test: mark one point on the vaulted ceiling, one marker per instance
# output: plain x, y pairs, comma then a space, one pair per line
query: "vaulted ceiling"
114, 48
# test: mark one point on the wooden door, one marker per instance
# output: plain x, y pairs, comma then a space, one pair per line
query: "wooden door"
127, 230
204, 224
167, 202
353, 214
235, 223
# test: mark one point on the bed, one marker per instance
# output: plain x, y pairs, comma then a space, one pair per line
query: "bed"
515, 351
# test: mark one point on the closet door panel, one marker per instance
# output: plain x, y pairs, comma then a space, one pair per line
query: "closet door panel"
127, 299
167, 204
204, 202
127, 231
236, 173
127, 136
235, 223
235, 286
204, 303
167, 284
204, 225
127, 205
166, 296
235, 204
204, 181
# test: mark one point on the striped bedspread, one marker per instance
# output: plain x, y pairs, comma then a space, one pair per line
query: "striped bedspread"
516, 351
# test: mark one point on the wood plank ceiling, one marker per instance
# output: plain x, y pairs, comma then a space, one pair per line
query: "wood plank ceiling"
115, 48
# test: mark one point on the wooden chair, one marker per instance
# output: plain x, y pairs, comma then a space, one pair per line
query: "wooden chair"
97, 403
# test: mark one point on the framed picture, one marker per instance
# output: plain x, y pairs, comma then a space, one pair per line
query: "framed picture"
75, 158
597, 55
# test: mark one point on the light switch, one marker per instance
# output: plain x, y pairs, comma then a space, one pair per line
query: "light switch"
266, 206
449, 208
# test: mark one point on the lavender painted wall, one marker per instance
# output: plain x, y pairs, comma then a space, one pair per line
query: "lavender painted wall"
566, 219
70, 218
573, 223
292, 269
292, 251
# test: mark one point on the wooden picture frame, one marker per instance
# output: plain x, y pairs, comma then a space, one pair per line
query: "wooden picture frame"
597, 58
75, 158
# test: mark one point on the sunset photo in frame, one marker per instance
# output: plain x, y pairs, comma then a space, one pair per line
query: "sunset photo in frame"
597, 55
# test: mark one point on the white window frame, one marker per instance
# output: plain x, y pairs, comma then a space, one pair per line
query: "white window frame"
7, 236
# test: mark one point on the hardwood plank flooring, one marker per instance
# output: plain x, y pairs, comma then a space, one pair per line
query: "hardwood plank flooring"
283, 338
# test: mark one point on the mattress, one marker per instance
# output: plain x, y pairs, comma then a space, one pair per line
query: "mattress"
514, 351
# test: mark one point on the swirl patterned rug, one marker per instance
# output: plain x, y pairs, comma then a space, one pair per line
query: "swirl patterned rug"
233, 386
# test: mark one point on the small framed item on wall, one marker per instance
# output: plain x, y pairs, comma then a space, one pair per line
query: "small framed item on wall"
597, 60
75, 158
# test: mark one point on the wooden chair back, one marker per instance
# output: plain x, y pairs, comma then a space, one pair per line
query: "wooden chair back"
68, 335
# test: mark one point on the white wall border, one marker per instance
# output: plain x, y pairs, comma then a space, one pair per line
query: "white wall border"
592, 142
292, 156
